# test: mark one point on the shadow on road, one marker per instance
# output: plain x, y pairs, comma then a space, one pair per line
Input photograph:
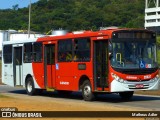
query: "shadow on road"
18, 91
111, 98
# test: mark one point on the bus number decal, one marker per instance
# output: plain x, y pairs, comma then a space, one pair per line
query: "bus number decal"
147, 76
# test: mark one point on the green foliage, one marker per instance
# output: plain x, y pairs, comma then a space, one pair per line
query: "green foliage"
158, 50
75, 15
158, 40
158, 56
4, 96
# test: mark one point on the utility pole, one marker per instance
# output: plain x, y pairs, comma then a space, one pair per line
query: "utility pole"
29, 20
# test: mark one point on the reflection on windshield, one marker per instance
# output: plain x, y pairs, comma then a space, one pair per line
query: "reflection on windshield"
137, 54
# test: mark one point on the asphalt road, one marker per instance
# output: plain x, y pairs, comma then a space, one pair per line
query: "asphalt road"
139, 101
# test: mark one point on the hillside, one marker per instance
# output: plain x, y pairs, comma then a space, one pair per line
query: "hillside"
75, 15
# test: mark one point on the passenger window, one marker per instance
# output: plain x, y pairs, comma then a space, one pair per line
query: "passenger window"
7, 53
65, 50
28, 57
37, 52
82, 49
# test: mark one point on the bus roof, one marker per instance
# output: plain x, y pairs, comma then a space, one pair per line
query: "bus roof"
74, 35
19, 41
108, 32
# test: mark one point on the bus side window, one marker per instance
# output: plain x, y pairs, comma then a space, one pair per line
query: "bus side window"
28, 53
7, 53
37, 52
65, 50
82, 49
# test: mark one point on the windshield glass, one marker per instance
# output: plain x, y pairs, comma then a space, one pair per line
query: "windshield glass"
133, 54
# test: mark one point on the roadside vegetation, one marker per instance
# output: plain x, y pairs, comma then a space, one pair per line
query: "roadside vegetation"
75, 15
4, 96
0, 71
158, 50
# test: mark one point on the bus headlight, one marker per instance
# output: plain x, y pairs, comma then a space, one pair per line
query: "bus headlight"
117, 78
155, 78
121, 80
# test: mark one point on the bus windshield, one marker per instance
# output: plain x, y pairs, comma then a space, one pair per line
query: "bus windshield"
133, 54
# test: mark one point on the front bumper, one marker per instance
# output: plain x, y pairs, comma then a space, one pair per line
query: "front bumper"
117, 86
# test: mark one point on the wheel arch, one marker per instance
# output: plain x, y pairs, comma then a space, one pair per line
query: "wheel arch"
82, 79
28, 76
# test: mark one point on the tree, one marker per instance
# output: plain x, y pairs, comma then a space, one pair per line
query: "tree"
15, 7
75, 15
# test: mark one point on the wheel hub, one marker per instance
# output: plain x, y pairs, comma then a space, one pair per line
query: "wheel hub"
87, 91
29, 86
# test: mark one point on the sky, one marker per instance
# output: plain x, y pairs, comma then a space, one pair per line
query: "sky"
7, 4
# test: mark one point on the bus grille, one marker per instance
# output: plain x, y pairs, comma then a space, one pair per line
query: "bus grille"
146, 86
138, 80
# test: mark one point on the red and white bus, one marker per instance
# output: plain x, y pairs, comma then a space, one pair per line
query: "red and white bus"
112, 60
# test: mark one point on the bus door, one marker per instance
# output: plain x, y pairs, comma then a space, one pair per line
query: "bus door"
101, 64
17, 65
49, 65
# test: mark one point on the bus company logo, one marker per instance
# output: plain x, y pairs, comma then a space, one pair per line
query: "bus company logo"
131, 77
64, 83
99, 38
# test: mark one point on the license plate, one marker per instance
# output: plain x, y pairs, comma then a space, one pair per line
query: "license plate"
139, 86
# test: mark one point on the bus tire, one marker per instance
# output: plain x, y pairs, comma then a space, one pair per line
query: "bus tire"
30, 88
126, 95
87, 93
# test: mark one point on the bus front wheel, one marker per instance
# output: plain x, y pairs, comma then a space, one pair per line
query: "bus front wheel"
87, 93
30, 86
126, 95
